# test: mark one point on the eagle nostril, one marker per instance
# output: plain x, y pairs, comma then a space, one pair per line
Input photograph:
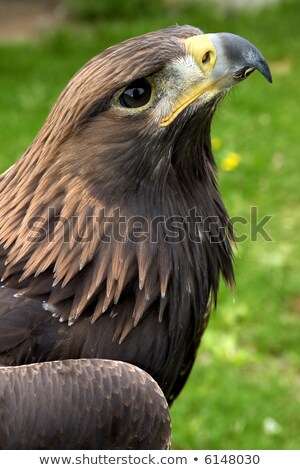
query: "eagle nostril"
206, 58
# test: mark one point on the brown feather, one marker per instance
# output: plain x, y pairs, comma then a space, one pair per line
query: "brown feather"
82, 404
62, 205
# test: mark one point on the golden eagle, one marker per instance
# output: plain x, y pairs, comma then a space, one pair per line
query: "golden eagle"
113, 238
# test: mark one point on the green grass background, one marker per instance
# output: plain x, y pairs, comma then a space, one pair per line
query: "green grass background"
244, 391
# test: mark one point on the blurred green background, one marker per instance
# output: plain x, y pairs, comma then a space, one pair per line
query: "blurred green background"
244, 391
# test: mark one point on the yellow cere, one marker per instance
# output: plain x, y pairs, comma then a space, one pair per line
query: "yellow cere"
231, 161
198, 47
202, 50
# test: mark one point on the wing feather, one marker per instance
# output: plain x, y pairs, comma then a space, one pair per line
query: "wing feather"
82, 404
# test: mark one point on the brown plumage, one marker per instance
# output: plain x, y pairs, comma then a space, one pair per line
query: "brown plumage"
113, 232
108, 395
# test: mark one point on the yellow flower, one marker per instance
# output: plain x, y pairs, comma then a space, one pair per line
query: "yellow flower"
231, 161
216, 143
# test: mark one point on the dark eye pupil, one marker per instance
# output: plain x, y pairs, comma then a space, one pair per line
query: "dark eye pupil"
137, 94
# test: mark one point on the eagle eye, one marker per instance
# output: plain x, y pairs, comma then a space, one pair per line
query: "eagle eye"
137, 94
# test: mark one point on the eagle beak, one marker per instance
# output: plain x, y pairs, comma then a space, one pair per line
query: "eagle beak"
236, 59
224, 60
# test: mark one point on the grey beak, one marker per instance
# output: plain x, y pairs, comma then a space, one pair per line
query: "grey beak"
237, 58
